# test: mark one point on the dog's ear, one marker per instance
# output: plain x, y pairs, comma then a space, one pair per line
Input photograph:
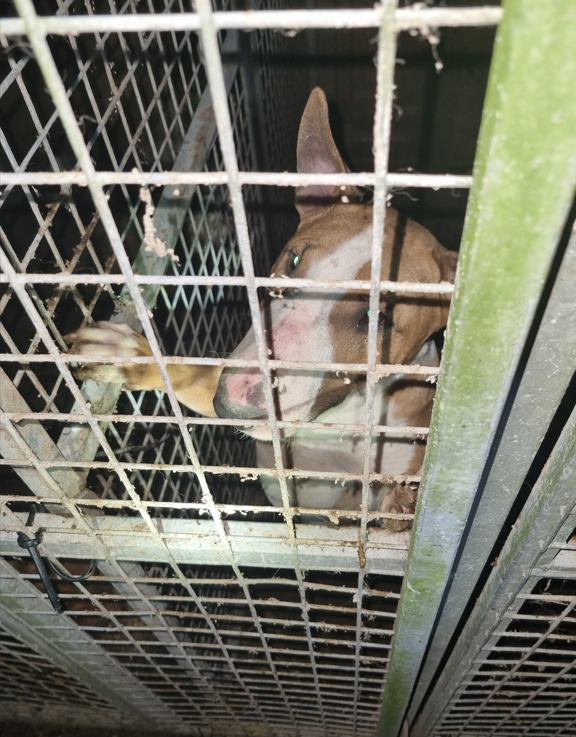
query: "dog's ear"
317, 154
447, 261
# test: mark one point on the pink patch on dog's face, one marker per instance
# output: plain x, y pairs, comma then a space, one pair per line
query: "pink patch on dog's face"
298, 328
291, 333
241, 387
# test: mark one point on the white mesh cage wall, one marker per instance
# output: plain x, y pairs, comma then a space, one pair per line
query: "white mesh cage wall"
140, 106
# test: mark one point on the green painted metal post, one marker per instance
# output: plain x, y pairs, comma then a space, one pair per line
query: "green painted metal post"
524, 183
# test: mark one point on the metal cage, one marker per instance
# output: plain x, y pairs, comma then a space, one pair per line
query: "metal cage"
146, 150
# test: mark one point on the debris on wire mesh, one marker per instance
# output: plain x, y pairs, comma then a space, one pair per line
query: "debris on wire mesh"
361, 554
248, 476
430, 33
151, 242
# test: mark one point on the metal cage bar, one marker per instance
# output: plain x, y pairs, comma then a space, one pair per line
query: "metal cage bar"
385, 62
405, 19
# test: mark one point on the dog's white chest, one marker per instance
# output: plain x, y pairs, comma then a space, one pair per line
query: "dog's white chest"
331, 449
335, 451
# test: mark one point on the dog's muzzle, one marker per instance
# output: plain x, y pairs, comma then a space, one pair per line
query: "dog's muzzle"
240, 395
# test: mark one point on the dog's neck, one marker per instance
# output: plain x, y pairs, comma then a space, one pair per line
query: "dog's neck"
352, 411
331, 450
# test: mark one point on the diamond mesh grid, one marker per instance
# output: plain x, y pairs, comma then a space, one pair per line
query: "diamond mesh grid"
125, 90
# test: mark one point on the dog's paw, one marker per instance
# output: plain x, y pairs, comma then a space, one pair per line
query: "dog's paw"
398, 499
110, 339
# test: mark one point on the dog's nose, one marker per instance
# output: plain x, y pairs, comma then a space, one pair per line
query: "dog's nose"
240, 395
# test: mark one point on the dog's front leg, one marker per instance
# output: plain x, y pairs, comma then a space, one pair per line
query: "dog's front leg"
195, 386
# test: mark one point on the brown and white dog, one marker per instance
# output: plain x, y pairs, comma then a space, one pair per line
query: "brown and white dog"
334, 242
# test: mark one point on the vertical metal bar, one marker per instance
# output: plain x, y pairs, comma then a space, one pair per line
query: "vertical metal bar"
226, 137
548, 506
525, 174
382, 124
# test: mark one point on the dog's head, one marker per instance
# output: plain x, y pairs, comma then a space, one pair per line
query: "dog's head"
334, 242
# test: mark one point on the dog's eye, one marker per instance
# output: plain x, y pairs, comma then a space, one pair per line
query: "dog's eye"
383, 320
293, 262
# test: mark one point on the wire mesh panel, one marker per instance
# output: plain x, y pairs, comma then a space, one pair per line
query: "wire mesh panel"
146, 152
522, 681
140, 82
50, 687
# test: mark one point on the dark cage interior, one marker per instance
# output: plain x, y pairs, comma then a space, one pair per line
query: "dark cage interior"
222, 634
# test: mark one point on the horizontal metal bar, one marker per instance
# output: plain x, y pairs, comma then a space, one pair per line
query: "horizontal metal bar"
386, 369
236, 281
197, 542
227, 581
405, 19
334, 515
524, 181
548, 505
391, 430
245, 471
275, 179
